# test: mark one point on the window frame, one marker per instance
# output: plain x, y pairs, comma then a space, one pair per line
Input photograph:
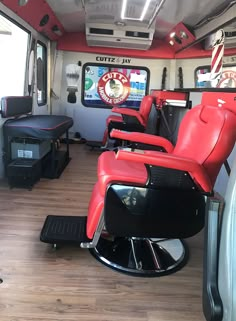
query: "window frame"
44, 102
107, 106
19, 25
209, 68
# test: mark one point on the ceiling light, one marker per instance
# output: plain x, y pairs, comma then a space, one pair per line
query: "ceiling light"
144, 11
22, 2
56, 30
123, 9
171, 42
172, 34
183, 34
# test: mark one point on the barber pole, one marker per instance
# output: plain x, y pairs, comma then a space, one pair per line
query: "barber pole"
217, 56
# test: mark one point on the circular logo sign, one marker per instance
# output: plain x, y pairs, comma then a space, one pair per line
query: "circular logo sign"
113, 87
228, 79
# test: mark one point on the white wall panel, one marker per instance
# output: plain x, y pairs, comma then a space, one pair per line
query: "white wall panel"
90, 122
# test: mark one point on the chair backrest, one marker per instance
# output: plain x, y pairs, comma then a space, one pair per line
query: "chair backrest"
225, 100
145, 108
15, 106
207, 135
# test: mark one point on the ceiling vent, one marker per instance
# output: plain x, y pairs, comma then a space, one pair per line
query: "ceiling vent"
116, 36
100, 31
230, 40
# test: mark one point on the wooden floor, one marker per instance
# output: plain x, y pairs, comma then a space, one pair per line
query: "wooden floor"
40, 284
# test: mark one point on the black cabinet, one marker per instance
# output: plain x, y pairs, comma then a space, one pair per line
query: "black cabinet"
23, 172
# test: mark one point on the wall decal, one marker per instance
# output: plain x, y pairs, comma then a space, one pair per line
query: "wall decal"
72, 78
117, 60
228, 79
113, 87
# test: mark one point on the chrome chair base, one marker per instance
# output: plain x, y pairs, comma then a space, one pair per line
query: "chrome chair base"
142, 257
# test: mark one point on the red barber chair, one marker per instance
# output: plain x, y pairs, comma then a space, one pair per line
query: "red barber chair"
130, 119
145, 202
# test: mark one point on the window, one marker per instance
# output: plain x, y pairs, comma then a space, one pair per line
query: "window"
227, 79
41, 74
104, 86
13, 53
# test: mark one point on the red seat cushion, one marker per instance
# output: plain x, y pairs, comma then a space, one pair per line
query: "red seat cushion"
112, 170
113, 118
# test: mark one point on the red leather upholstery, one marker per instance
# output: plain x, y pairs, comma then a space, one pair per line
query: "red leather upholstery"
206, 137
197, 171
134, 113
141, 115
222, 100
113, 118
210, 138
143, 138
132, 172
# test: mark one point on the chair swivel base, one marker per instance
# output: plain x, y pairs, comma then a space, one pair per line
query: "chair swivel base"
142, 256
94, 144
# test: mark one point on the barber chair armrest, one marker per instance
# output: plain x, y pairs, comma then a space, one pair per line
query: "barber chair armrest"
147, 139
128, 112
196, 171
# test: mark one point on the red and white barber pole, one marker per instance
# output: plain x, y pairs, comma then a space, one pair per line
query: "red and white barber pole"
217, 57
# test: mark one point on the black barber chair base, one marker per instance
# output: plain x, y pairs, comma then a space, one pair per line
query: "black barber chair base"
142, 257
95, 145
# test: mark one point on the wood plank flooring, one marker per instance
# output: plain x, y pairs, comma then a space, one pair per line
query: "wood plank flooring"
41, 284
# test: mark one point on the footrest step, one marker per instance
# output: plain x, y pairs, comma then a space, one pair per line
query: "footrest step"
64, 229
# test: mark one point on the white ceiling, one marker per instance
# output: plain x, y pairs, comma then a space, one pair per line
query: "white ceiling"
73, 15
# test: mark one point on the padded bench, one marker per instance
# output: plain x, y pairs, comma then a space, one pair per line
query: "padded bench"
42, 127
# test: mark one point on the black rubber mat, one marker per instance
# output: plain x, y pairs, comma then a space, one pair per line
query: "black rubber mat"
64, 229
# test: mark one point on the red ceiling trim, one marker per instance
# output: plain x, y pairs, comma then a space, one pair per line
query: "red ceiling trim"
159, 50
198, 52
33, 12
76, 41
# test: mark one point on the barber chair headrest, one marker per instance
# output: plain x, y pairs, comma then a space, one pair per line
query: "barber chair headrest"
13, 106
225, 100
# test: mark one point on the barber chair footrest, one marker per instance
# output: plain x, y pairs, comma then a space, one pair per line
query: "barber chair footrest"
142, 257
64, 230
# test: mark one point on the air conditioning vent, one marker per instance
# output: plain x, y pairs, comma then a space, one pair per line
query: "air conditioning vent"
113, 43
137, 34
117, 36
230, 40
230, 34
99, 31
